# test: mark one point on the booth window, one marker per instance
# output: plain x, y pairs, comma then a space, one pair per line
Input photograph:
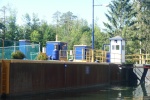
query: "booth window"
117, 47
113, 47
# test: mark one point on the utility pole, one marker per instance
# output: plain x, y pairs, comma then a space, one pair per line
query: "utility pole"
3, 10
93, 25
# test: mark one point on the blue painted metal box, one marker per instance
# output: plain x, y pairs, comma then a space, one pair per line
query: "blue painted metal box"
53, 48
80, 52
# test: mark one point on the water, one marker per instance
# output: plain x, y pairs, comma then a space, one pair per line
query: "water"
140, 92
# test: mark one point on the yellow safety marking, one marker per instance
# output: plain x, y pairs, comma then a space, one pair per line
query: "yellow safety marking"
5, 69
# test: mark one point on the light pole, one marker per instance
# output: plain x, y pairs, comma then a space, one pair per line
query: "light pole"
106, 5
93, 25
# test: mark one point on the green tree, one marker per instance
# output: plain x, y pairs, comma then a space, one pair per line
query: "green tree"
67, 21
31, 24
35, 22
27, 26
100, 38
142, 25
50, 33
43, 29
85, 39
3, 19
2, 26
119, 16
35, 36
12, 33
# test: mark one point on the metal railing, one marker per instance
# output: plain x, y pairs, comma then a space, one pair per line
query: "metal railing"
138, 58
90, 55
100, 55
87, 55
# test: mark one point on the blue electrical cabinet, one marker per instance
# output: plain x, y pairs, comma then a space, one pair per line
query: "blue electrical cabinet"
53, 48
80, 51
24, 48
108, 57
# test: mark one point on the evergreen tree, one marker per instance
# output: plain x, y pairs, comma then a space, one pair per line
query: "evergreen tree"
142, 25
27, 26
120, 16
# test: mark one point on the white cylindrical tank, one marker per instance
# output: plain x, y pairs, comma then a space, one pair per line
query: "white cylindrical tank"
43, 49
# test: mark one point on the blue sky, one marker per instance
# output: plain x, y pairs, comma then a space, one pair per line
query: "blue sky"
46, 8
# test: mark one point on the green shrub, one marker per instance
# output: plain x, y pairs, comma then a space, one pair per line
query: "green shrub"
17, 55
129, 62
42, 56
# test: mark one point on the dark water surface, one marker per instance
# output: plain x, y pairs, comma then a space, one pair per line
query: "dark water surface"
140, 92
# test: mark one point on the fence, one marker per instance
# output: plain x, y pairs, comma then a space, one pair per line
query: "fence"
138, 58
101, 56
88, 55
31, 51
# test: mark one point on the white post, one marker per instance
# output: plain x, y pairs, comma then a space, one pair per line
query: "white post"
140, 61
39, 47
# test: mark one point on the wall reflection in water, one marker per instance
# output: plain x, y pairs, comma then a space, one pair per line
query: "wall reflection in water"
108, 93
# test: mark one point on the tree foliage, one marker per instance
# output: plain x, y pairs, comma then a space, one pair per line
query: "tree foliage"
119, 16
141, 26
42, 56
129, 19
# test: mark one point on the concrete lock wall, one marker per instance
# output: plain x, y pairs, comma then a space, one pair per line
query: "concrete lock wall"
27, 77
0, 77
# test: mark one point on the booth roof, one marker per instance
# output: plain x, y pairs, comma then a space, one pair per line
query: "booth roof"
116, 38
